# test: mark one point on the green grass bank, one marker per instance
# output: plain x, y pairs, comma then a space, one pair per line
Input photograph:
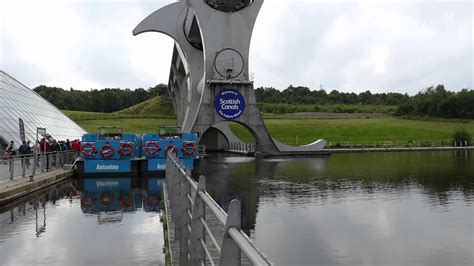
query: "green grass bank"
303, 129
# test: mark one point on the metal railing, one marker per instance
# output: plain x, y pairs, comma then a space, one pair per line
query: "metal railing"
29, 165
242, 147
188, 203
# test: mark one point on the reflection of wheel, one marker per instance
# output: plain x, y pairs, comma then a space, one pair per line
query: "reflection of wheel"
152, 147
107, 151
126, 149
88, 149
87, 201
169, 147
189, 147
106, 199
152, 201
126, 200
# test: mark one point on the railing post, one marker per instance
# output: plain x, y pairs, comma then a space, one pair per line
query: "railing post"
230, 251
197, 253
169, 176
35, 161
43, 161
184, 221
175, 181
23, 166
11, 164
177, 199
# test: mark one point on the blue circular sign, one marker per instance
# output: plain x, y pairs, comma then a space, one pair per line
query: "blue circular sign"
229, 103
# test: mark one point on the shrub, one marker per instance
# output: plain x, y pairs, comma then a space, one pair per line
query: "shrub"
461, 135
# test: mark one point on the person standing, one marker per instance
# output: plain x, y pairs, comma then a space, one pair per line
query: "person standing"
55, 148
68, 145
24, 151
37, 152
11, 147
45, 148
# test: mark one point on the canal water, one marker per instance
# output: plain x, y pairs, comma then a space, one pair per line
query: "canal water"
411, 208
93, 222
407, 208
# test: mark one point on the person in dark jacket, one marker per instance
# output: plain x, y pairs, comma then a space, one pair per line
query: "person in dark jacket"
55, 147
68, 145
24, 151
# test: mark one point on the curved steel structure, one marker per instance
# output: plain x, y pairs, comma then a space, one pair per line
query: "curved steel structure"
210, 59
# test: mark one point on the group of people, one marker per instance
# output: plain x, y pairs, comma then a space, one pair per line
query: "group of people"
50, 146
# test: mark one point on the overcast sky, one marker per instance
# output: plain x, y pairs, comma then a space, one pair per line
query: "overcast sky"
353, 46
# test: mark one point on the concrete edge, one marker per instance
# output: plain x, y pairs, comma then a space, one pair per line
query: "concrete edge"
10, 194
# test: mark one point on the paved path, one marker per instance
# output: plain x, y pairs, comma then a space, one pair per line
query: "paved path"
19, 187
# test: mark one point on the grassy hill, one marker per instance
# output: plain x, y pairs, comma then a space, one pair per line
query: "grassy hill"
296, 128
156, 106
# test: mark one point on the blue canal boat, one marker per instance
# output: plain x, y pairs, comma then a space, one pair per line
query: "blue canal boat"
109, 151
157, 145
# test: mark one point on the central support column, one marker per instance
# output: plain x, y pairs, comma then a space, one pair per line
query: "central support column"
227, 92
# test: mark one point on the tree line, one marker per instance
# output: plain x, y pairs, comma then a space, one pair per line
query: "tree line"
303, 95
438, 102
430, 102
106, 100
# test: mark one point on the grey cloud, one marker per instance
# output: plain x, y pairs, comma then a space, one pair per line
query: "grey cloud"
431, 47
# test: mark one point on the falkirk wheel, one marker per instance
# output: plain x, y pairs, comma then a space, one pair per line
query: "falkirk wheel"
209, 79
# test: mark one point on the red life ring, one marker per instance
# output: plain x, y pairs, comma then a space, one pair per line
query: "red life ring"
154, 150
107, 151
90, 146
152, 201
126, 200
126, 149
169, 147
187, 145
87, 201
106, 199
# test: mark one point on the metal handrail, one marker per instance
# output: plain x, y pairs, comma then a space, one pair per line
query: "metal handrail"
31, 164
188, 201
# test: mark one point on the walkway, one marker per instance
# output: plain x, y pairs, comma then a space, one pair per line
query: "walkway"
23, 186
199, 230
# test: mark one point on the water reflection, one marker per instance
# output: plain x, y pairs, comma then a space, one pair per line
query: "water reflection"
346, 209
85, 222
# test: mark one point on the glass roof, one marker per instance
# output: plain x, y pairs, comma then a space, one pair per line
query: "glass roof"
17, 101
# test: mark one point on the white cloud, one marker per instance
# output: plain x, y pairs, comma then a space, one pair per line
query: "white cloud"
400, 46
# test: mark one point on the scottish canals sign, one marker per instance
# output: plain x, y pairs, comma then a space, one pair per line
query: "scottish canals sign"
229, 103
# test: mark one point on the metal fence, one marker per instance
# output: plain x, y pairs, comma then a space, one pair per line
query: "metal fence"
188, 203
21, 166
398, 144
242, 147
